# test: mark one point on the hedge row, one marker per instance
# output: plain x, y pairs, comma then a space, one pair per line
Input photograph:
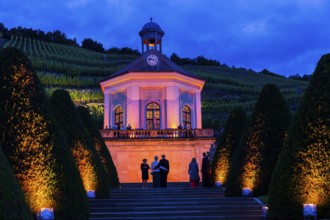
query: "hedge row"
302, 174
12, 202
92, 172
33, 144
101, 148
260, 144
228, 143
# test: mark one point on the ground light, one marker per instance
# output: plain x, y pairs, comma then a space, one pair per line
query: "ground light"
310, 210
46, 214
246, 192
218, 183
91, 194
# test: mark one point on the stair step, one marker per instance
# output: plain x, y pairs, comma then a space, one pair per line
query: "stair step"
178, 201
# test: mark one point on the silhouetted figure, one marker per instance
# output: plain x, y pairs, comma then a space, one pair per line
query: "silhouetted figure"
145, 175
206, 169
164, 167
193, 172
155, 173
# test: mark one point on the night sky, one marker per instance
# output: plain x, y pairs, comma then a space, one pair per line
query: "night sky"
284, 36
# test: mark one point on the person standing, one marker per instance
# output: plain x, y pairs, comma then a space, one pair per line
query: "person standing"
164, 167
155, 173
206, 169
193, 172
145, 175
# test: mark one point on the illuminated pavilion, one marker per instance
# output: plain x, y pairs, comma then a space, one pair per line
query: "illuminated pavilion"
153, 96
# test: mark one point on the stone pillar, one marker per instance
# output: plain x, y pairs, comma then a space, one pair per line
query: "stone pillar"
133, 110
107, 116
173, 106
198, 109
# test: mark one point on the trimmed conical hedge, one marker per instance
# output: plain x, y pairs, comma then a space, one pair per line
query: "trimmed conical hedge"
33, 144
228, 143
302, 174
91, 170
101, 148
260, 145
12, 202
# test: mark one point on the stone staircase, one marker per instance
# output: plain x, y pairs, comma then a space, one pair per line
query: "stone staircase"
178, 201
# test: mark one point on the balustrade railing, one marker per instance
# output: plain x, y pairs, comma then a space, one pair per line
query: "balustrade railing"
157, 133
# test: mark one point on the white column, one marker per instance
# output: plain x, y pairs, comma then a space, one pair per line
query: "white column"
133, 110
173, 108
198, 108
107, 116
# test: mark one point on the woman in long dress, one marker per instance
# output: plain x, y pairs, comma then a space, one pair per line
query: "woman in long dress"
193, 172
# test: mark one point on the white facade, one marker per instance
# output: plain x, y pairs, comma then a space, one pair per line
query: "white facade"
133, 91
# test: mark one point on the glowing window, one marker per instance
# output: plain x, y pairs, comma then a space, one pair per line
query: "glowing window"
186, 115
153, 116
119, 116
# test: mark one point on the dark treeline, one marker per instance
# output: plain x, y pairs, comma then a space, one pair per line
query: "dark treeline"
305, 77
61, 38
198, 61
53, 37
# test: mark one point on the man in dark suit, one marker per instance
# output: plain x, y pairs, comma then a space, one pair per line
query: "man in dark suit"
164, 168
206, 171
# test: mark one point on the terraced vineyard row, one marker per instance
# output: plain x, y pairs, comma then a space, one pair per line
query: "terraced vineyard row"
74, 61
229, 88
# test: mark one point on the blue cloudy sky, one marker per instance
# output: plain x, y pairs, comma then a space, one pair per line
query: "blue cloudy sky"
283, 36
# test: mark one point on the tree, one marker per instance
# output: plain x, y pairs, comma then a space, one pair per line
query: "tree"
84, 152
101, 148
227, 145
93, 45
12, 202
302, 174
176, 59
33, 144
260, 145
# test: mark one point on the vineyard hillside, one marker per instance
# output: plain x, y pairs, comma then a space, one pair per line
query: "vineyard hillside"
79, 71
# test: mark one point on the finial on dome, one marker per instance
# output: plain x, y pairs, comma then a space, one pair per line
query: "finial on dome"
150, 19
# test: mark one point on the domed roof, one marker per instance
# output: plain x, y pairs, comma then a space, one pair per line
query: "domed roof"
151, 27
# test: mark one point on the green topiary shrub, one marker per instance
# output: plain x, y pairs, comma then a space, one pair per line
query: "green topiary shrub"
12, 202
228, 143
91, 170
101, 148
260, 145
33, 144
302, 174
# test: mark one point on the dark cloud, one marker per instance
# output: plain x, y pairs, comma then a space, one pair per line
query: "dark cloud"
283, 36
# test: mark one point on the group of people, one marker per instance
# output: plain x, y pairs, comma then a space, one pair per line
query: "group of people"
161, 168
159, 172
193, 172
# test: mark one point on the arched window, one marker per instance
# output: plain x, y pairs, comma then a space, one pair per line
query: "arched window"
186, 116
119, 116
153, 116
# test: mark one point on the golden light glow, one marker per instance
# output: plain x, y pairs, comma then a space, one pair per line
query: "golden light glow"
251, 169
83, 157
312, 171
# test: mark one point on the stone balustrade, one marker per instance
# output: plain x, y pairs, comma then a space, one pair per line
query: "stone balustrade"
157, 133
